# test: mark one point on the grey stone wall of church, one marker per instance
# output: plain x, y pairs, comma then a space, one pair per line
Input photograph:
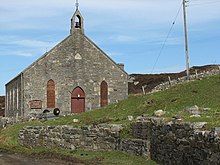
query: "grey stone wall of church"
13, 97
74, 62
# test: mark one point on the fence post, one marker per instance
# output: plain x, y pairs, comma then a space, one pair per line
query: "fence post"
196, 73
169, 80
143, 89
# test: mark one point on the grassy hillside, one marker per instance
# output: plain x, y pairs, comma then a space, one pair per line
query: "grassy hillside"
203, 93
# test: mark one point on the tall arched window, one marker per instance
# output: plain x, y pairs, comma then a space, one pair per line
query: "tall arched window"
50, 94
103, 94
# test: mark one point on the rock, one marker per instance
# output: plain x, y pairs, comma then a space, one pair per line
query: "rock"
76, 120
176, 117
198, 125
142, 117
206, 109
193, 108
196, 112
159, 113
130, 118
157, 120
179, 120
115, 127
217, 130
195, 116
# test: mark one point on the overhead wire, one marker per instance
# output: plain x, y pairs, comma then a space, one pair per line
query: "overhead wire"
168, 34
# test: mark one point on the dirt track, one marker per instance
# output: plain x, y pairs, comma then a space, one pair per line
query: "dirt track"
17, 159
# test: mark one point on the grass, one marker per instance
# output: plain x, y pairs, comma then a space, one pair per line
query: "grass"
9, 136
109, 158
203, 93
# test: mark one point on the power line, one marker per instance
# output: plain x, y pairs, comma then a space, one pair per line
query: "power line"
164, 43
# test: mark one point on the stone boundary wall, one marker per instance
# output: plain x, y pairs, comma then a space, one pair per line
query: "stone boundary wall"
95, 138
166, 143
179, 143
168, 84
8, 121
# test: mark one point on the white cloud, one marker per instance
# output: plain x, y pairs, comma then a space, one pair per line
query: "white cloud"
19, 41
33, 43
123, 38
17, 53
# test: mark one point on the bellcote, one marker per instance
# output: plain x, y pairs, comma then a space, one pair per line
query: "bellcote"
77, 22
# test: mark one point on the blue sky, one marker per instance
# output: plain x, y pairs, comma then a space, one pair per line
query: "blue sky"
129, 31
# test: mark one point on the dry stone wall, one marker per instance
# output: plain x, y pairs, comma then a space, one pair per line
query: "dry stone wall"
87, 137
168, 84
95, 138
179, 143
153, 138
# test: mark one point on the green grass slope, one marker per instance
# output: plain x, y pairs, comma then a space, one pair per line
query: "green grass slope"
203, 93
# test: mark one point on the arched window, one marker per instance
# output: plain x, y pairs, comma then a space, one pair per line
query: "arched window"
50, 94
103, 94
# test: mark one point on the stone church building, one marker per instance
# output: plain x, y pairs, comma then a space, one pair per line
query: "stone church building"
74, 76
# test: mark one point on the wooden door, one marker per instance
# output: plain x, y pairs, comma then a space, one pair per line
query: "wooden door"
78, 100
50, 94
104, 94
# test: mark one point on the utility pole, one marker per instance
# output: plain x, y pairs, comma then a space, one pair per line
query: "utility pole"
186, 41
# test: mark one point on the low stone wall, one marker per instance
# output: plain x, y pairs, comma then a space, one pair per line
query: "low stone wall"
95, 138
8, 121
137, 147
168, 84
87, 137
179, 143
166, 143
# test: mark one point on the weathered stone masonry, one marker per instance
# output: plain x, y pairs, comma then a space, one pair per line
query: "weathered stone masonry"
179, 143
75, 64
166, 143
95, 138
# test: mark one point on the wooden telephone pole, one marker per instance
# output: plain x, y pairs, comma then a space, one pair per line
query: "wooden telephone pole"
186, 41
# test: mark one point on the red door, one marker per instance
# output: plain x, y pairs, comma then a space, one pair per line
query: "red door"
78, 100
